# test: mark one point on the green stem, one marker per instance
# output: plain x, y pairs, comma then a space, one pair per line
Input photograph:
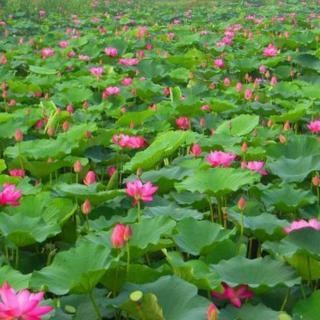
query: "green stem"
211, 210
241, 225
19, 156
87, 223
77, 178
128, 257
17, 257
285, 300
95, 306
309, 270
138, 211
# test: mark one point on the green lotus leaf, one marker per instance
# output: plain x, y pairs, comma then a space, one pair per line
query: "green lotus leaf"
195, 237
260, 272
76, 270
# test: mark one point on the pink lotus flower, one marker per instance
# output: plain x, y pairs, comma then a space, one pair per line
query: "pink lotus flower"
220, 158
17, 173
3, 59
239, 86
273, 81
86, 207
23, 305
96, 71
248, 94
219, 63
110, 91
205, 107
234, 295
270, 51
139, 191
127, 81
262, 69
314, 126
63, 44
111, 171
131, 142
71, 54
10, 195
42, 13
120, 235
129, 61
84, 57
196, 150
183, 123
90, 178
111, 52
212, 312
256, 166
46, 53
300, 224
227, 82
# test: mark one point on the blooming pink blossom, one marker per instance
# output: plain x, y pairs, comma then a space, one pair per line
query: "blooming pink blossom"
300, 224
127, 81
96, 71
120, 235
183, 123
255, 166
196, 150
63, 44
219, 63
111, 52
3, 59
110, 91
10, 195
129, 61
270, 51
139, 191
90, 178
234, 295
46, 53
131, 142
21, 305
220, 158
314, 126
17, 173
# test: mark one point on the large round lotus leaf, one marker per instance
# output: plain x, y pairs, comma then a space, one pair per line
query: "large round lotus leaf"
308, 309
195, 236
218, 180
16, 279
305, 240
239, 126
91, 192
255, 273
194, 271
163, 146
76, 270
287, 197
250, 312
23, 230
177, 299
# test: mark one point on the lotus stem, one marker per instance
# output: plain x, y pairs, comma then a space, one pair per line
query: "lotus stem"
95, 306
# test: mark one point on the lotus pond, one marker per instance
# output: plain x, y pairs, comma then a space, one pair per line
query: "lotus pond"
161, 160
